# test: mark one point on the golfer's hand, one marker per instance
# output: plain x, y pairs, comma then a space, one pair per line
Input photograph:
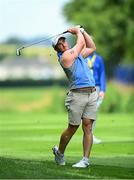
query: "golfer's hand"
74, 30
81, 28
101, 94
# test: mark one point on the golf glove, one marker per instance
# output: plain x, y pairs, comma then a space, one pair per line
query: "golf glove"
81, 28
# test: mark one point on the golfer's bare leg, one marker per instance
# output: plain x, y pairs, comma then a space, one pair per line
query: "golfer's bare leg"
87, 136
66, 137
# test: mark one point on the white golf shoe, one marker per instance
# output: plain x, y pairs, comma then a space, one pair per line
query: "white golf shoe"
59, 158
81, 164
96, 141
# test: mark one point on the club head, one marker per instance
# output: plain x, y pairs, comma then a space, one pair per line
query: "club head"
18, 51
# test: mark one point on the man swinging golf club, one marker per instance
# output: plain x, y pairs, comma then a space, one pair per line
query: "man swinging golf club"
82, 97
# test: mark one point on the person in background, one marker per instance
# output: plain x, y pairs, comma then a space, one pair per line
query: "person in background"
81, 100
96, 64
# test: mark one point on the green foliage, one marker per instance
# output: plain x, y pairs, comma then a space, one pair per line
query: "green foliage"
14, 40
51, 100
2, 56
57, 105
118, 99
110, 22
48, 100
113, 100
130, 104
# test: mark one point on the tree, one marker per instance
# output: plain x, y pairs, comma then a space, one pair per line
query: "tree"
111, 22
13, 40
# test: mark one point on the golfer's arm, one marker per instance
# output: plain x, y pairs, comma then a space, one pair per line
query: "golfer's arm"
90, 45
70, 55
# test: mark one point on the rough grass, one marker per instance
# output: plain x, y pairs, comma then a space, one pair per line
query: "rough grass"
45, 99
102, 168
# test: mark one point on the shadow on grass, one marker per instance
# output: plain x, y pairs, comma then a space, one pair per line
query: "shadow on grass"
34, 169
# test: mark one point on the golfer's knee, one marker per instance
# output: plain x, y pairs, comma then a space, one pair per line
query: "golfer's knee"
87, 126
69, 132
87, 129
72, 128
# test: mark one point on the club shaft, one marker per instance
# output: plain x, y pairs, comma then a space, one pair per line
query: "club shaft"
37, 42
18, 52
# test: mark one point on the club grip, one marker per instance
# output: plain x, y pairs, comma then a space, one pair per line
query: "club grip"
67, 31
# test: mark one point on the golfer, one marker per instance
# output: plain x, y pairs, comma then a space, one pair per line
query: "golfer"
96, 64
81, 100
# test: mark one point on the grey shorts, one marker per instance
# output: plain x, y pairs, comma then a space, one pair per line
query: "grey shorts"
81, 105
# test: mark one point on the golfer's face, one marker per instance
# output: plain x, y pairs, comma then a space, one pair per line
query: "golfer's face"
62, 45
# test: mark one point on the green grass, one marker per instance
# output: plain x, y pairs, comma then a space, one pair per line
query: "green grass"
31, 121
26, 139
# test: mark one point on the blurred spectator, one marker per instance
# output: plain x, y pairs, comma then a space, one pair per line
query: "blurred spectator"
96, 64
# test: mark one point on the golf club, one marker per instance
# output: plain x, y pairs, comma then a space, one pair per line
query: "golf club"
18, 50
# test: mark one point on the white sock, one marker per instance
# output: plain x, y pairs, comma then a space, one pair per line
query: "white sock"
85, 159
60, 153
